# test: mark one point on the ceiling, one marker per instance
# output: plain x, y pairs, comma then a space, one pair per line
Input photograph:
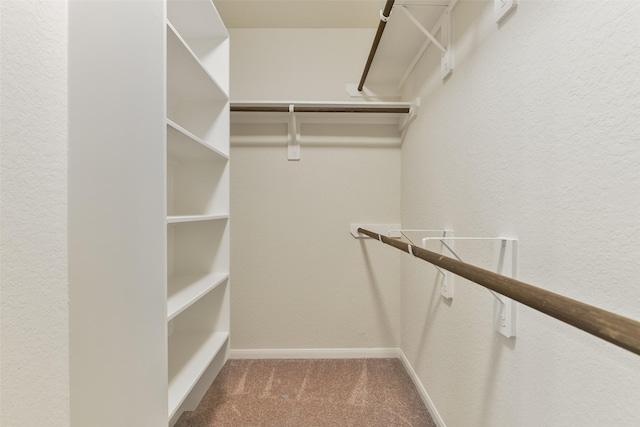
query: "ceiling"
300, 13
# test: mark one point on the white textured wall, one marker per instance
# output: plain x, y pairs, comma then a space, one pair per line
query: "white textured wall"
534, 136
297, 64
34, 333
299, 280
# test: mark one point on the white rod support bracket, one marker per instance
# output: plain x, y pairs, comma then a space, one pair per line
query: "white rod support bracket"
505, 308
446, 53
384, 18
446, 58
413, 113
293, 144
505, 261
446, 249
389, 230
423, 29
501, 8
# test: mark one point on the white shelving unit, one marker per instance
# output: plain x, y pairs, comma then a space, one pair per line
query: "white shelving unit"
197, 128
148, 208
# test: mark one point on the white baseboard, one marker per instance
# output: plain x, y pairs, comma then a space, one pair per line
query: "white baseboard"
437, 418
316, 353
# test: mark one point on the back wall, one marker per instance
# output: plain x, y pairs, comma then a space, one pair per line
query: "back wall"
299, 279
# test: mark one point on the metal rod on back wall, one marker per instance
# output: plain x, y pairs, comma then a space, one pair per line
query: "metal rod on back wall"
616, 329
376, 41
320, 109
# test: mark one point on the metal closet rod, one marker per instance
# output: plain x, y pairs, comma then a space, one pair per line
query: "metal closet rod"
318, 109
611, 327
376, 41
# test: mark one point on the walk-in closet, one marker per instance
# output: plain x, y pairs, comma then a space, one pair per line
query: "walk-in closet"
319, 213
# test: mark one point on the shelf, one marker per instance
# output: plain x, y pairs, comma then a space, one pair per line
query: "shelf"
186, 76
196, 102
182, 144
183, 291
197, 178
198, 24
196, 19
197, 190
195, 218
321, 123
189, 356
199, 247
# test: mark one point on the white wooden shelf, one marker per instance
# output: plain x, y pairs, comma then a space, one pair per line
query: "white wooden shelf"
186, 76
196, 19
189, 356
183, 144
183, 291
195, 218
200, 26
198, 247
196, 101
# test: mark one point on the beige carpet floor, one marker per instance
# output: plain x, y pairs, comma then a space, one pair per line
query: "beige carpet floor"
311, 393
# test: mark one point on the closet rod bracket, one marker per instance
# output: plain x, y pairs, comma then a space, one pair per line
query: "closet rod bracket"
293, 139
446, 54
505, 263
389, 230
446, 284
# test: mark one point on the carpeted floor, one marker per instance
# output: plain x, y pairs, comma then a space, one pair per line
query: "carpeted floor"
311, 393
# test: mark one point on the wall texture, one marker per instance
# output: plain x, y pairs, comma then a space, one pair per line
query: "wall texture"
299, 280
534, 136
297, 64
33, 197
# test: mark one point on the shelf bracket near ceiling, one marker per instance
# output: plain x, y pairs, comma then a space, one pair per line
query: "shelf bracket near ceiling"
403, 126
413, 113
446, 52
293, 141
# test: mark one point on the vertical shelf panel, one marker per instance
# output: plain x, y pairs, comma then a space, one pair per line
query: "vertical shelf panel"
116, 208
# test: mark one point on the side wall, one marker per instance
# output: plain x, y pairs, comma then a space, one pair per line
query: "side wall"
534, 136
34, 357
299, 280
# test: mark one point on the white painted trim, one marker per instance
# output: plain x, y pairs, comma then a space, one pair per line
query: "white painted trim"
316, 353
437, 418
